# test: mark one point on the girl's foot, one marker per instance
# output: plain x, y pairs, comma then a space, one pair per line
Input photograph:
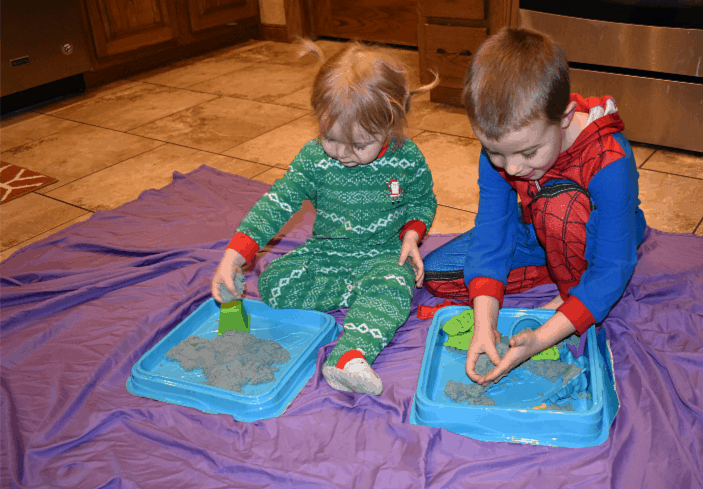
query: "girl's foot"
356, 376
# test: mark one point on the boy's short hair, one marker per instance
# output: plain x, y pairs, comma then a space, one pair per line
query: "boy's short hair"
517, 76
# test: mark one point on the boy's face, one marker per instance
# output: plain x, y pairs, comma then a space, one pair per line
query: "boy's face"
530, 152
364, 149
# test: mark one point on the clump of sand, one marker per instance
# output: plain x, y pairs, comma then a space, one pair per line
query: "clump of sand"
231, 361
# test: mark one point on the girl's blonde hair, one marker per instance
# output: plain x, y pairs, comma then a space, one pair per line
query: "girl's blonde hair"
364, 85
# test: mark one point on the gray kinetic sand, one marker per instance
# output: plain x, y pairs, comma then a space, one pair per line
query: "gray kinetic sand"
232, 360
476, 394
473, 394
238, 283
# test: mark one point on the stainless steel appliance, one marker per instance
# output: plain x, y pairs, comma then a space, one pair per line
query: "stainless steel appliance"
42, 42
647, 54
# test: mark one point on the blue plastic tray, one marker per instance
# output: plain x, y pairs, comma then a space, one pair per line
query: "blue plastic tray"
298, 331
513, 419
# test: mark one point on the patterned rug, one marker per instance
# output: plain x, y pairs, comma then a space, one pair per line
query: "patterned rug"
16, 181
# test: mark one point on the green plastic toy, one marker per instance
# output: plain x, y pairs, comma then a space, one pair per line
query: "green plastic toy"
460, 330
548, 354
233, 317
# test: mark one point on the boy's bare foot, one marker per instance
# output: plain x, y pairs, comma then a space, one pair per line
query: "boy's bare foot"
356, 376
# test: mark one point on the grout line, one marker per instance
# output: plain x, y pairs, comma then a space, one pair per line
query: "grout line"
247, 64
456, 208
269, 131
43, 232
669, 173
649, 157
45, 137
105, 168
698, 226
67, 203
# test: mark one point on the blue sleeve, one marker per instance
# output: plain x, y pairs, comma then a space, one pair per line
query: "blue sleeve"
495, 229
614, 231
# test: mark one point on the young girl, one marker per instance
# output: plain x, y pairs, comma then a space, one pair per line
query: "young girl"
372, 190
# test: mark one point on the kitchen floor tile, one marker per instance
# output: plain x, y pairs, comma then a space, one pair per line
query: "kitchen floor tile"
454, 164
220, 124
682, 163
132, 105
671, 203
448, 220
31, 215
430, 116
6, 253
122, 183
260, 82
77, 152
279, 146
28, 127
283, 53
270, 175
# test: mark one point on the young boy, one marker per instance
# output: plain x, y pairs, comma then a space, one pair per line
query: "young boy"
577, 222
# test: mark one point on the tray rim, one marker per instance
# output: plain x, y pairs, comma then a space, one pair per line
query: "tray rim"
596, 385
140, 375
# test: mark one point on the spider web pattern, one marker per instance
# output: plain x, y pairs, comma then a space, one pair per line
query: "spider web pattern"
560, 225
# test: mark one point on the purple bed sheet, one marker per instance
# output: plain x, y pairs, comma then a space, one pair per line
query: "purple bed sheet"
80, 307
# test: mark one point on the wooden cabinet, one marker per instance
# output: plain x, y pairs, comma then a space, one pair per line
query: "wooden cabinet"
449, 32
131, 36
205, 14
119, 26
383, 21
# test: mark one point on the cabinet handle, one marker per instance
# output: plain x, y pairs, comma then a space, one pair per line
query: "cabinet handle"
462, 53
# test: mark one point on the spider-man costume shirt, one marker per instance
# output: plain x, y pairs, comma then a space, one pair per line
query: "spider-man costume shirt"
600, 161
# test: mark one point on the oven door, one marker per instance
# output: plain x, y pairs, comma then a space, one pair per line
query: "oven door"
42, 42
654, 72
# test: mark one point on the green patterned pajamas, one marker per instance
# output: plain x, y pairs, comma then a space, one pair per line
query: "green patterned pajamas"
351, 260
376, 290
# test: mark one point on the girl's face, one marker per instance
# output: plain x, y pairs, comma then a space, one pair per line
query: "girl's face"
364, 149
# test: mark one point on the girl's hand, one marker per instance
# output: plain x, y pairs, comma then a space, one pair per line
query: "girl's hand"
230, 265
484, 340
522, 346
410, 251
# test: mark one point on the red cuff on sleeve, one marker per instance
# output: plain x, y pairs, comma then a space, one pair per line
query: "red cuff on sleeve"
577, 313
486, 286
246, 246
417, 226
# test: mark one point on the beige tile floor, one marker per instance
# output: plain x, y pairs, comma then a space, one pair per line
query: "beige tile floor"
245, 110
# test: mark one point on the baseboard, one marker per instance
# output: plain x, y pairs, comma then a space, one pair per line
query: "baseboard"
273, 32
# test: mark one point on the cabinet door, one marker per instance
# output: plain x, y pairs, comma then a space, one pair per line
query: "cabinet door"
213, 13
120, 26
385, 21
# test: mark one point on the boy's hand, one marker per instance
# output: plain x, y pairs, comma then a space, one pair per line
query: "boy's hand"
486, 335
230, 265
410, 251
528, 343
484, 340
522, 347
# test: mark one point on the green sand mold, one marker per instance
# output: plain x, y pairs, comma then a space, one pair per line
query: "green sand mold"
233, 317
548, 354
460, 330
